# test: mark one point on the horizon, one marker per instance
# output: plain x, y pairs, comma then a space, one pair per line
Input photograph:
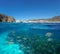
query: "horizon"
30, 9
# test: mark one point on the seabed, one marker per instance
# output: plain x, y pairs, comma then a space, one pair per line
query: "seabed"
29, 42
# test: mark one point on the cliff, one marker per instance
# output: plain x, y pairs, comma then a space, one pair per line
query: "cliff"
5, 18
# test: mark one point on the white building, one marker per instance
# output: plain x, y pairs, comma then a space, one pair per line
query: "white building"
17, 21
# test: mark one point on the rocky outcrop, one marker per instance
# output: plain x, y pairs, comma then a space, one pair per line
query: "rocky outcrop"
56, 18
4, 18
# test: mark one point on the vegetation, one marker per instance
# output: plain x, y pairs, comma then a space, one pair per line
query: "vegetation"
32, 43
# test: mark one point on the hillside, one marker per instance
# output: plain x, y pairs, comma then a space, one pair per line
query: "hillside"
5, 18
56, 18
53, 19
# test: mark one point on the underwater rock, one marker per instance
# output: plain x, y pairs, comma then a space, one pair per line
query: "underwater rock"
49, 34
49, 39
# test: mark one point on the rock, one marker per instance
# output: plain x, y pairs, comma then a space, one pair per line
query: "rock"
4, 18
56, 18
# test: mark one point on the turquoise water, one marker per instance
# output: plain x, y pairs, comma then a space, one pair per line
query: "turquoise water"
29, 38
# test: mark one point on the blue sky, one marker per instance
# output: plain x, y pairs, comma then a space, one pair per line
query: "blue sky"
30, 9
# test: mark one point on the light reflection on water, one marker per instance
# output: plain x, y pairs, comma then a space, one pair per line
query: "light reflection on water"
29, 38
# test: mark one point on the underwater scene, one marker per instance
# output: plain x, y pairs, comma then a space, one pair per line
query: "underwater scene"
29, 38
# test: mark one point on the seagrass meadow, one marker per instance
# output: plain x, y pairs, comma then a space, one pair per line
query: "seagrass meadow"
29, 38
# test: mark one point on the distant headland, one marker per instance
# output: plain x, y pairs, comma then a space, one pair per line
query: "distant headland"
55, 19
5, 18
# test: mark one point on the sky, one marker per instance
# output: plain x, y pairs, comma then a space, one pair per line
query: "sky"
30, 9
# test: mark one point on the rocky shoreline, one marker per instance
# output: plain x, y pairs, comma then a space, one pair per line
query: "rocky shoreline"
5, 18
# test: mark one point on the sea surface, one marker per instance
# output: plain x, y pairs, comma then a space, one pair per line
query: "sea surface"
29, 38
